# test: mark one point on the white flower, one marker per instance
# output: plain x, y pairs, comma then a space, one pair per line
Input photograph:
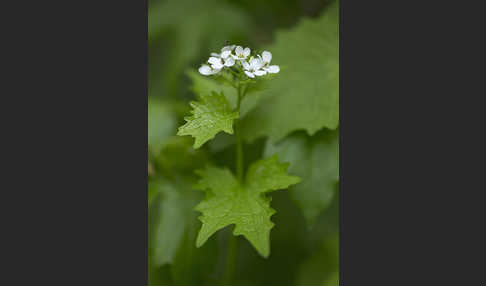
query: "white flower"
207, 70
240, 53
225, 52
266, 58
228, 48
239, 58
219, 63
253, 68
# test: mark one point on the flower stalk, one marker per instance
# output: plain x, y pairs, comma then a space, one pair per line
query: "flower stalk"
239, 143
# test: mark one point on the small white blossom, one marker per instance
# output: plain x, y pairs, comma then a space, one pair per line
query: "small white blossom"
228, 48
266, 58
219, 63
207, 70
253, 68
225, 52
241, 54
233, 56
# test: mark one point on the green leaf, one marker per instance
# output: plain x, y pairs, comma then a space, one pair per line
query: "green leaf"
162, 123
269, 175
246, 206
210, 116
171, 213
304, 95
316, 160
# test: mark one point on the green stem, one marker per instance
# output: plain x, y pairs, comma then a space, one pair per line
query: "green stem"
230, 266
230, 263
233, 72
239, 144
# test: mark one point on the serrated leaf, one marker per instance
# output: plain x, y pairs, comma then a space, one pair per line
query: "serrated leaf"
316, 160
246, 206
304, 95
269, 175
211, 115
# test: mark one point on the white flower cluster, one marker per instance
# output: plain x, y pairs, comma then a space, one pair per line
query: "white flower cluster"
236, 56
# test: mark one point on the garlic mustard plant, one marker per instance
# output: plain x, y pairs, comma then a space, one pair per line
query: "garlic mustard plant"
240, 200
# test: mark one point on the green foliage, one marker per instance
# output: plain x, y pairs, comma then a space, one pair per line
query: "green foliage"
187, 28
161, 123
316, 160
293, 116
320, 268
171, 197
174, 208
305, 93
246, 206
210, 116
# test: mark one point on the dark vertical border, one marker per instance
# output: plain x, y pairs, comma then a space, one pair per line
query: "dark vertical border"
78, 179
405, 127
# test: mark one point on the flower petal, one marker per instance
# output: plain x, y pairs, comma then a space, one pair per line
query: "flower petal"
205, 70
245, 64
256, 63
249, 74
214, 60
273, 69
238, 50
217, 65
215, 55
266, 56
225, 54
229, 62
246, 52
260, 72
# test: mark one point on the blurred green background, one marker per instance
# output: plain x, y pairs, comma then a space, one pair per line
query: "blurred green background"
304, 242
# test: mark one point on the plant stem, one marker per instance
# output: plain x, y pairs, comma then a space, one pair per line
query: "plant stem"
230, 265
233, 72
239, 145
